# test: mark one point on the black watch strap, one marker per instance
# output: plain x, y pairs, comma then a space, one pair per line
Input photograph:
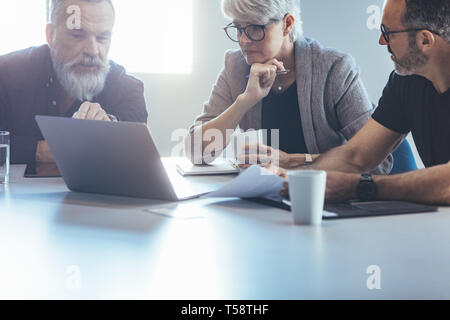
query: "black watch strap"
366, 177
366, 190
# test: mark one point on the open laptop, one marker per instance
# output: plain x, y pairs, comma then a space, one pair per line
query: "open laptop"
114, 158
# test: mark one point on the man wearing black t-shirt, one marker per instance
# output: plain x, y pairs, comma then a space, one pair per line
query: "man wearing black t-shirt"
416, 99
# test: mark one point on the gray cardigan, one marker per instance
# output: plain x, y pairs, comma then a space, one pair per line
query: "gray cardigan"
332, 99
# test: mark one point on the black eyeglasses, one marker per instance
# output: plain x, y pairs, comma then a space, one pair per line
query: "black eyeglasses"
254, 32
387, 33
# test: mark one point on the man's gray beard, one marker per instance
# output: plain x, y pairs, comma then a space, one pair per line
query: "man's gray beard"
412, 62
83, 87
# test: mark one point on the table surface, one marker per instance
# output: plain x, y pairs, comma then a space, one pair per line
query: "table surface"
56, 244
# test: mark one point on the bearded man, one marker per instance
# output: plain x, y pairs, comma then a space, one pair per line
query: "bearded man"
416, 100
70, 76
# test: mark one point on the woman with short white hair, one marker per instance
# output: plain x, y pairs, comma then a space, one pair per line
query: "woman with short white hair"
282, 80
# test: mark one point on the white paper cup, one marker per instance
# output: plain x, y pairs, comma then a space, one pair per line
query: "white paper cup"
307, 194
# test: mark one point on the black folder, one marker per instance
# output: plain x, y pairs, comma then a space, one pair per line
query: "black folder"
358, 209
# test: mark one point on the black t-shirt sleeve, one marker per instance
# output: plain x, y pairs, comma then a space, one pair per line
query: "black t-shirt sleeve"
391, 112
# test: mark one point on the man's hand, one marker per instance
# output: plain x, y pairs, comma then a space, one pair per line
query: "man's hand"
340, 187
47, 169
91, 111
43, 154
262, 154
285, 192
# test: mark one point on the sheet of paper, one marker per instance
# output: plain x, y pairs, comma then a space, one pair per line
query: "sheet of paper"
251, 183
328, 214
239, 139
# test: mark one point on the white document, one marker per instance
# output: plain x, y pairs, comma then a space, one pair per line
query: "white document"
255, 182
238, 141
250, 138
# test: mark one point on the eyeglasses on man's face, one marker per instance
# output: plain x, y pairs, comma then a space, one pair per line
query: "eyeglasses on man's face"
386, 33
254, 32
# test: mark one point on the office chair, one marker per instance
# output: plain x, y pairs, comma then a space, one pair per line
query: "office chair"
403, 159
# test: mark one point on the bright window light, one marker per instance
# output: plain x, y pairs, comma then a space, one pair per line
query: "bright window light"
150, 36
22, 24
153, 36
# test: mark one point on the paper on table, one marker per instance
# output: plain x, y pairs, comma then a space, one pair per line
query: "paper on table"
239, 139
252, 183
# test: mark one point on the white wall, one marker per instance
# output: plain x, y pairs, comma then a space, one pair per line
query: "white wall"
174, 101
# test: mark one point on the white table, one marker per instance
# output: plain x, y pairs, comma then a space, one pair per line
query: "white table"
63, 245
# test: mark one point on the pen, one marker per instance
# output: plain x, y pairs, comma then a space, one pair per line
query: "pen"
234, 165
279, 73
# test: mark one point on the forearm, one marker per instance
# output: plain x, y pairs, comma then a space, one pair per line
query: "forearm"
297, 160
219, 130
431, 186
339, 159
43, 153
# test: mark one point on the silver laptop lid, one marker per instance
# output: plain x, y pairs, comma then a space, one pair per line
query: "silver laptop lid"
115, 158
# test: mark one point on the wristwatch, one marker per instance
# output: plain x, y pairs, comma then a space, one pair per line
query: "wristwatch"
308, 158
367, 189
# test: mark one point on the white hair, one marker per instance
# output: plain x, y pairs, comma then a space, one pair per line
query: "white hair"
54, 6
263, 11
83, 87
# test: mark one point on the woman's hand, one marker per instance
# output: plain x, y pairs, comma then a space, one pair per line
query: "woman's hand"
261, 79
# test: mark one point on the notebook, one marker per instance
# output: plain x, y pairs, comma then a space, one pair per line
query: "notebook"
218, 166
354, 209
